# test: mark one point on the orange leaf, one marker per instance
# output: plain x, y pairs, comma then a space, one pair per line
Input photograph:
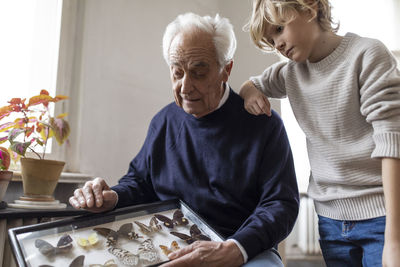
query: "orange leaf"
5, 111
15, 101
40, 99
44, 92
60, 97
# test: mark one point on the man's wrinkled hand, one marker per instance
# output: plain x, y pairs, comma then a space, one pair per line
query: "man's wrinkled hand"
94, 196
206, 253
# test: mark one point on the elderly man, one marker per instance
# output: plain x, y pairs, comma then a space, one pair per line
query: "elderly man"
234, 169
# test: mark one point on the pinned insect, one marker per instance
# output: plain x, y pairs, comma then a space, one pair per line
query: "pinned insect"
195, 235
90, 241
109, 263
125, 256
146, 252
77, 262
177, 219
174, 247
64, 245
126, 230
148, 229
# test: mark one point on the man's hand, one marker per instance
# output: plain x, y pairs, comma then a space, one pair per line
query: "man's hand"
207, 253
255, 102
94, 196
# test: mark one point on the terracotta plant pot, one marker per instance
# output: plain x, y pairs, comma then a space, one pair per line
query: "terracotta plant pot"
40, 177
5, 178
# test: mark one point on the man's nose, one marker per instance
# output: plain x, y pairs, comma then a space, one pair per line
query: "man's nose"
186, 85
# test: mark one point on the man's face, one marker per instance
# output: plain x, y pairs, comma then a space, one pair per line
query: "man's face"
197, 79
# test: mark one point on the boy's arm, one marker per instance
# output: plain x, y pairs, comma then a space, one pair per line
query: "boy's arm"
255, 102
391, 187
255, 91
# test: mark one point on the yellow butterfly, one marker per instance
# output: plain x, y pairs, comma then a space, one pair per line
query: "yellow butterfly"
174, 246
90, 241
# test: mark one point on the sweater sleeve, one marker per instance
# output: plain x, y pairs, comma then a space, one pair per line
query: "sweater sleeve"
272, 81
135, 187
274, 217
380, 99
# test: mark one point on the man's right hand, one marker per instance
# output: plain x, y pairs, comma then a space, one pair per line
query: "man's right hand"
94, 196
255, 102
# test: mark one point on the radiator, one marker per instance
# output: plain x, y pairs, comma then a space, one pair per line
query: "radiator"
308, 228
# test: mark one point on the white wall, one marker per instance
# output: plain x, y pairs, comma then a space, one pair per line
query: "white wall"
120, 80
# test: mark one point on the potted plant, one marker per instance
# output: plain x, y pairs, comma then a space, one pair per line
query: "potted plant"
5, 175
30, 128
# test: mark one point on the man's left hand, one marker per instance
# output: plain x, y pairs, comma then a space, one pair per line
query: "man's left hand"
206, 253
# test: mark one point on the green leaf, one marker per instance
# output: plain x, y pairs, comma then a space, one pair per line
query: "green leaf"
14, 133
20, 147
60, 128
39, 141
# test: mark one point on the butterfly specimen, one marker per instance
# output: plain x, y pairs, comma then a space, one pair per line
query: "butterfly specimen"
90, 241
146, 252
109, 263
125, 256
126, 230
177, 219
148, 229
174, 246
64, 245
77, 262
195, 234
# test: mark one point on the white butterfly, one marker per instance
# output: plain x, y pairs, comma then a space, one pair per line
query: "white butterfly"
125, 256
147, 252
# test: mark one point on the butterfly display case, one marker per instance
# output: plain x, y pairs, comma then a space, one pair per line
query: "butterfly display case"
141, 235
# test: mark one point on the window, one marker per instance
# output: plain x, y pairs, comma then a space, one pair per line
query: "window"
372, 19
29, 48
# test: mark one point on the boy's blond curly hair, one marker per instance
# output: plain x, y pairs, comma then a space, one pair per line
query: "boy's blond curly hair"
281, 12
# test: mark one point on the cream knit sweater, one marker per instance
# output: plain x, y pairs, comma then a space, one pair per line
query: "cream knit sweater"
348, 106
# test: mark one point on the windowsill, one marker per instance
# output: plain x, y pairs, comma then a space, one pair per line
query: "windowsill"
66, 177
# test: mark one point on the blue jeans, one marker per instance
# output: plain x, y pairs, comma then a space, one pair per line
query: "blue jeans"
267, 258
352, 243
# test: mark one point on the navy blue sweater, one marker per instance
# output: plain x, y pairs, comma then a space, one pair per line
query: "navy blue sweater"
234, 169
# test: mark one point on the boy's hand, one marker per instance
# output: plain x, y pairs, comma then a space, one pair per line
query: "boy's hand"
391, 255
255, 102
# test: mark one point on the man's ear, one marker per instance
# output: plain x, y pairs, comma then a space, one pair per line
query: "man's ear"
227, 71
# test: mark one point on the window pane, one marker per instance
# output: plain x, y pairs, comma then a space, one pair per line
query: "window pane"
378, 19
30, 34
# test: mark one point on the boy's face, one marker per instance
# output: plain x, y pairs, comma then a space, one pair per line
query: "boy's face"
297, 39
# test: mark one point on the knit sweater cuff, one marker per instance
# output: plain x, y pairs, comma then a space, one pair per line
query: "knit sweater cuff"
387, 145
256, 80
249, 241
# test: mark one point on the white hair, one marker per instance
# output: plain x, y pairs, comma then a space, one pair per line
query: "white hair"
220, 28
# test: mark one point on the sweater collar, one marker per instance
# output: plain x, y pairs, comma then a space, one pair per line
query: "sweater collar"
219, 112
338, 52
224, 96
